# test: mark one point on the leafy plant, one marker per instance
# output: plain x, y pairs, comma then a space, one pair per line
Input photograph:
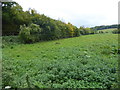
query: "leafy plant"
30, 34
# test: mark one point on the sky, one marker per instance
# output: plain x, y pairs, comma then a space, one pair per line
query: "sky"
87, 13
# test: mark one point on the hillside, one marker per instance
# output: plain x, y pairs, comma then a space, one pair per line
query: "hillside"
82, 62
105, 27
107, 30
41, 52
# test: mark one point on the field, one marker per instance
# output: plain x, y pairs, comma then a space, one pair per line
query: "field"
88, 61
108, 30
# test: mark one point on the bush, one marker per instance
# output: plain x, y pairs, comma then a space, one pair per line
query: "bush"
117, 31
30, 34
86, 31
101, 32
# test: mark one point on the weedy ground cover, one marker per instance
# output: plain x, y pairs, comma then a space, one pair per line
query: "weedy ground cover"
88, 61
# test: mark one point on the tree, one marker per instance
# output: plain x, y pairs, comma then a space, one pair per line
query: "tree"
12, 17
86, 31
30, 34
71, 29
76, 32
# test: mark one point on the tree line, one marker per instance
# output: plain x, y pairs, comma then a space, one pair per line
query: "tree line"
105, 27
32, 26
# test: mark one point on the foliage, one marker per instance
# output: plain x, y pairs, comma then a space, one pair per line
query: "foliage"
50, 29
116, 31
76, 32
30, 34
112, 30
71, 29
54, 29
82, 62
12, 17
105, 27
86, 31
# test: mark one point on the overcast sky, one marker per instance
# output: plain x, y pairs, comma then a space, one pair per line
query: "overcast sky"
86, 13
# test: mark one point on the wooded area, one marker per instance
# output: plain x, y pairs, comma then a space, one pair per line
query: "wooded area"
14, 17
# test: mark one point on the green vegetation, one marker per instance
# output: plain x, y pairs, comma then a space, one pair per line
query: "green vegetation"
41, 52
107, 30
14, 17
30, 34
116, 31
88, 61
105, 27
113, 30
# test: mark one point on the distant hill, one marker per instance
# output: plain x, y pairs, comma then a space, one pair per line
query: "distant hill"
107, 30
105, 27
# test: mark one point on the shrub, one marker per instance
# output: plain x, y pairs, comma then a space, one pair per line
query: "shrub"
116, 31
30, 34
86, 31
101, 32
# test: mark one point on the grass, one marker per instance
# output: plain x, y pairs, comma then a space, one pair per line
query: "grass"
88, 61
108, 30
